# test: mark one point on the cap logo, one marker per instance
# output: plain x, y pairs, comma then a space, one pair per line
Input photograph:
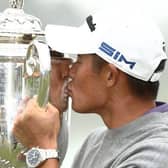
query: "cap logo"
116, 55
92, 26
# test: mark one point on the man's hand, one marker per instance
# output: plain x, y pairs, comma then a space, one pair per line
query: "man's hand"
35, 126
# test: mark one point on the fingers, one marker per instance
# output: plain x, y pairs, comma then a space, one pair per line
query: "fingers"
30, 110
28, 105
39, 124
24, 112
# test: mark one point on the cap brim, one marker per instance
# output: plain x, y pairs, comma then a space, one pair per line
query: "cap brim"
71, 40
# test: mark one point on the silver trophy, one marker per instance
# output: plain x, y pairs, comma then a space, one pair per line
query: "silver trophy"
24, 71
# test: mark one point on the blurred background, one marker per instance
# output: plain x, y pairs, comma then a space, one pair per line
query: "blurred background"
73, 12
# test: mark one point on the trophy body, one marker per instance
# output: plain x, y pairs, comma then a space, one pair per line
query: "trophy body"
22, 73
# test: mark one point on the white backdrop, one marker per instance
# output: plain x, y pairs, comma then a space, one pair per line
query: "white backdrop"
72, 12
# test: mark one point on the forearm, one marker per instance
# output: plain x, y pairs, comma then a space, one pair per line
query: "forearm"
50, 163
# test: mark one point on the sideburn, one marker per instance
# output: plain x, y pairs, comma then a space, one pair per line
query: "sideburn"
98, 63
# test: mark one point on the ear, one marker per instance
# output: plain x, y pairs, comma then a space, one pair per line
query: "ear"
112, 75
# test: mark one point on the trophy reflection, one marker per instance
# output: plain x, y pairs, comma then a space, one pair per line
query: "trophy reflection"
22, 73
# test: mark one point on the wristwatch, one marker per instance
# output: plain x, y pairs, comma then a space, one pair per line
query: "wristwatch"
35, 156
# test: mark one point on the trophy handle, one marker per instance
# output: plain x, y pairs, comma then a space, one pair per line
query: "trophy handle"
37, 71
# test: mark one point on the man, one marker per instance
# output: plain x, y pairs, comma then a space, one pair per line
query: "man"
120, 60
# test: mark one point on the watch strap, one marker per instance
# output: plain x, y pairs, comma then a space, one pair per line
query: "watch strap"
50, 153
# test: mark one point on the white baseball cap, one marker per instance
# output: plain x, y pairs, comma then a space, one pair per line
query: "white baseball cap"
126, 38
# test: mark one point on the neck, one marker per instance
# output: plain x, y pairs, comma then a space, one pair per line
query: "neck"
119, 113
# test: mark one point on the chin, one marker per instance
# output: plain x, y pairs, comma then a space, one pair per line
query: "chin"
79, 109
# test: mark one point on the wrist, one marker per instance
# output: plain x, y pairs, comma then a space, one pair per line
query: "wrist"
48, 145
45, 144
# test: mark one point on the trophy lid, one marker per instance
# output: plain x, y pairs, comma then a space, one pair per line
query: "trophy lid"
14, 21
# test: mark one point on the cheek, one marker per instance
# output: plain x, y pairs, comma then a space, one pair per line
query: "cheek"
88, 96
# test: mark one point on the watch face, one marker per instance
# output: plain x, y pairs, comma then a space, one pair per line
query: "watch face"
33, 158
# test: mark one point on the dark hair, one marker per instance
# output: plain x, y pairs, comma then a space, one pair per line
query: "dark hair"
142, 89
146, 90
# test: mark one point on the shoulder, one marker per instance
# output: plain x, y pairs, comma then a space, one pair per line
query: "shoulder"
150, 153
95, 136
91, 143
